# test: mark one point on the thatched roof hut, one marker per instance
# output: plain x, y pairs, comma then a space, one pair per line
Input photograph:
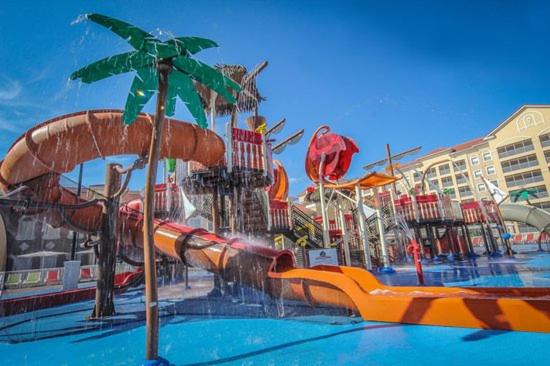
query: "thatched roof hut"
247, 100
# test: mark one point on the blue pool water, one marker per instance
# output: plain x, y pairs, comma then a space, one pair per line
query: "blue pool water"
228, 331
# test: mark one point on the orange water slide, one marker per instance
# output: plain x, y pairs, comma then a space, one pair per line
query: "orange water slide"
57, 146
520, 309
38, 158
274, 271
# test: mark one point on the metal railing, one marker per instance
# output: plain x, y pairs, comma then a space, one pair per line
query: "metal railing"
51, 276
302, 225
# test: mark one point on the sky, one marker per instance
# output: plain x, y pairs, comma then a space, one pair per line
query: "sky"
407, 73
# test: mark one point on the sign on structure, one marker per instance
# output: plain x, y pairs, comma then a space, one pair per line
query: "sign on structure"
323, 256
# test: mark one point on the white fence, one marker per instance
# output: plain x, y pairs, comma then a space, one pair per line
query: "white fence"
50, 276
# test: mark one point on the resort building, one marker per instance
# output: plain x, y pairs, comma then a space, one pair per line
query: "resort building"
515, 155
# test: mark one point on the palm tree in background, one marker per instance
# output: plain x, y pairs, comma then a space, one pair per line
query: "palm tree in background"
524, 194
165, 68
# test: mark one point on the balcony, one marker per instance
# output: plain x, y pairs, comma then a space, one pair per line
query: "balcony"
545, 140
515, 148
524, 178
428, 207
519, 163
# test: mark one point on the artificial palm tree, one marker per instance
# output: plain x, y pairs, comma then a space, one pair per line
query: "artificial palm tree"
164, 67
524, 194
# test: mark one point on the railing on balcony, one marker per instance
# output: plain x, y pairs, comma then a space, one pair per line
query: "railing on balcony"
167, 200
334, 229
429, 207
280, 218
474, 213
245, 149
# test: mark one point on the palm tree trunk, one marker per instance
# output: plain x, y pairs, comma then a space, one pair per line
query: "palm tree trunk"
151, 293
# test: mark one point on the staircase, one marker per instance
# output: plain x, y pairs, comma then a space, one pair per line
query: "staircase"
303, 225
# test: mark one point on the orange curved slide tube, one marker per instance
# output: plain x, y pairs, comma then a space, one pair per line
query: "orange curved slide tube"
58, 145
520, 309
273, 271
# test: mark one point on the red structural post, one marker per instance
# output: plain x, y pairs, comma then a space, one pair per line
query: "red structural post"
415, 249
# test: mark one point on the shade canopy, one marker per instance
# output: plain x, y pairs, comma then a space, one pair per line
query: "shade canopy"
370, 180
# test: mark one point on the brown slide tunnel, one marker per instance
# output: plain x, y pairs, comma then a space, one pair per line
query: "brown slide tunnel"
57, 146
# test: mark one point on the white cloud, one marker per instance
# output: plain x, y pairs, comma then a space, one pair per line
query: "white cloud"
12, 98
9, 89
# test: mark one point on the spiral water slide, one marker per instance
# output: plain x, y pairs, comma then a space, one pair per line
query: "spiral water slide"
37, 159
530, 215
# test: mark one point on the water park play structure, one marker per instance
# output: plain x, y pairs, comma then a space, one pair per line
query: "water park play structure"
34, 163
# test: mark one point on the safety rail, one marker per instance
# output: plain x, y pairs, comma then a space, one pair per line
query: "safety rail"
302, 225
167, 200
334, 229
280, 218
474, 212
50, 276
428, 207
247, 149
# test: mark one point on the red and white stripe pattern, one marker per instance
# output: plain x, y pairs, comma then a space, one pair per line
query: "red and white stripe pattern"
428, 207
161, 198
247, 149
280, 218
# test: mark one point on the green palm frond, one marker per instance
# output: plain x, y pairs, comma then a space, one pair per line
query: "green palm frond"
143, 87
192, 44
207, 76
448, 191
136, 37
523, 194
181, 85
148, 52
114, 65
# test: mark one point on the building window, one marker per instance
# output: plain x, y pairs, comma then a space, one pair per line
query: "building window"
434, 184
524, 178
447, 182
481, 187
547, 156
475, 160
519, 163
477, 174
545, 140
461, 178
487, 156
495, 183
459, 165
432, 173
464, 191
417, 176
444, 169
491, 170
515, 148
